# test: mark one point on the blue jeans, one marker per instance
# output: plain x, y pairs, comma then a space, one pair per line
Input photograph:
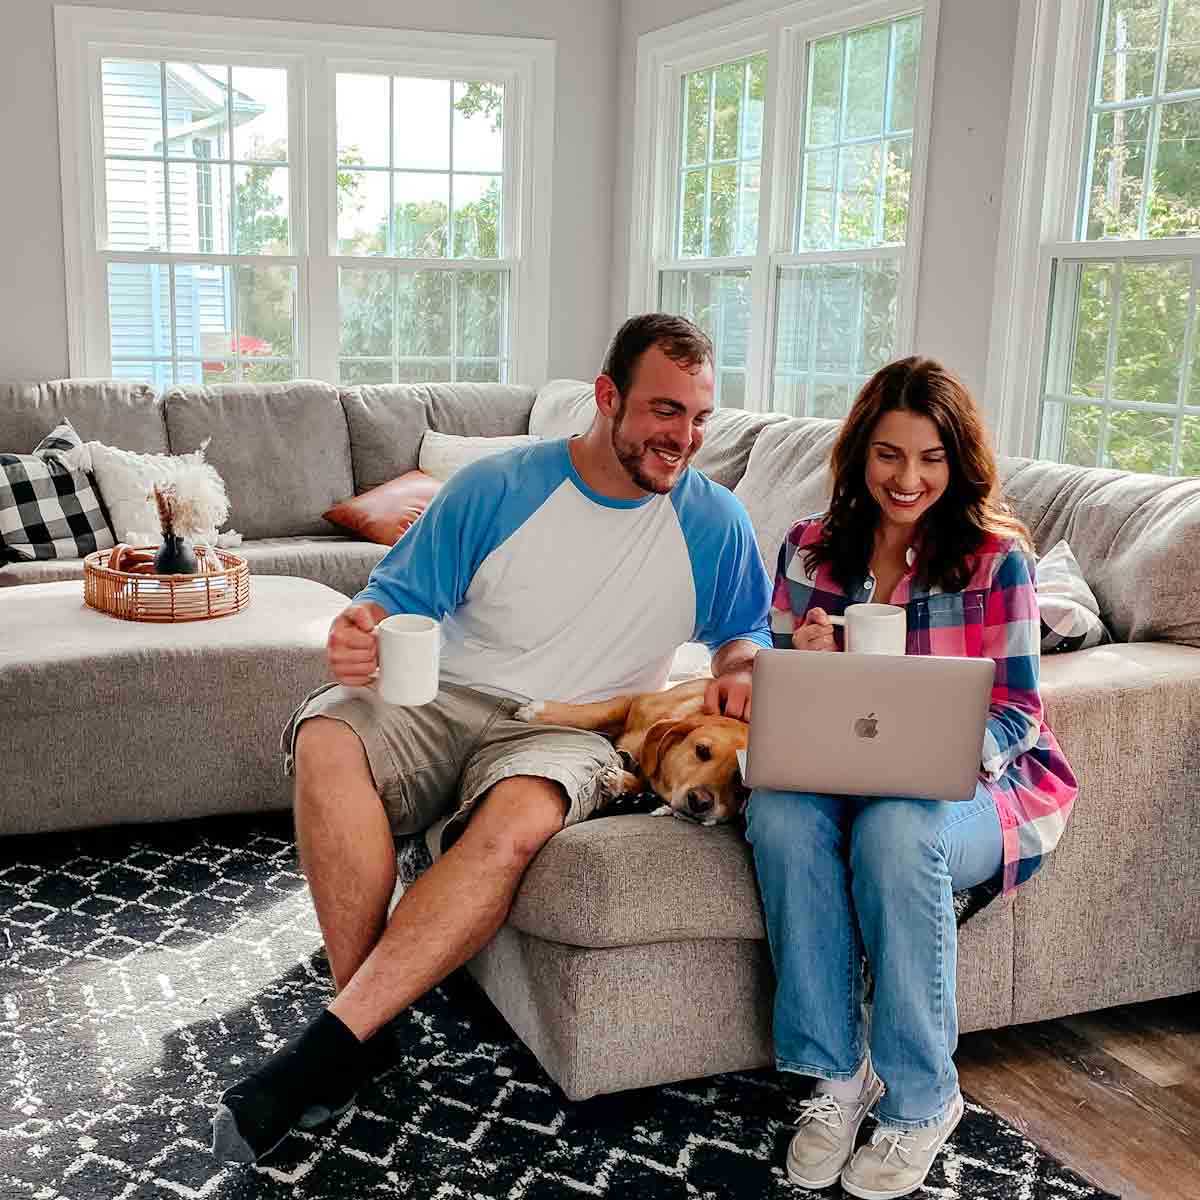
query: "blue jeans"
843, 876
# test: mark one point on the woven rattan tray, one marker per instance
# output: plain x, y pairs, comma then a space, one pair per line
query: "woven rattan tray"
215, 593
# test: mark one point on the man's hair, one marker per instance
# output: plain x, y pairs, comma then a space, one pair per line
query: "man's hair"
681, 341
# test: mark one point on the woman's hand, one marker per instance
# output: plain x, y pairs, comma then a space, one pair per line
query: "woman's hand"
816, 633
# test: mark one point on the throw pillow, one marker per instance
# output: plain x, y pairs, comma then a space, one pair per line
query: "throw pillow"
442, 454
49, 504
126, 480
385, 513
1069, 612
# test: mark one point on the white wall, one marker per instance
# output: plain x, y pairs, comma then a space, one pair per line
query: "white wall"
973, 81
33, 300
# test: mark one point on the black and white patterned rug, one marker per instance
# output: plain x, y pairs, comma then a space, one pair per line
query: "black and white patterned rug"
144, 970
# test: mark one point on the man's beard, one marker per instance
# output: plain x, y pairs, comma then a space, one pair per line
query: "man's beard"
630, 455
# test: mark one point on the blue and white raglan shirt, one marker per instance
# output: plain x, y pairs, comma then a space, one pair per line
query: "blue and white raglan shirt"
548, 590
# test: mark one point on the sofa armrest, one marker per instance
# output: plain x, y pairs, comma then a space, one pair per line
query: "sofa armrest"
1111, 917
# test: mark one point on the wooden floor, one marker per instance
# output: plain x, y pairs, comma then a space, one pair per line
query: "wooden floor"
1115, 1094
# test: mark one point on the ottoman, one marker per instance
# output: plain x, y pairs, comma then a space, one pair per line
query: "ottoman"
105, 721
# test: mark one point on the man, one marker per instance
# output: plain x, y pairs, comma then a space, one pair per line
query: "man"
568, 570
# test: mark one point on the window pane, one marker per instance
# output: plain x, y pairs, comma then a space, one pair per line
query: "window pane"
1189, 449
362, 120
1090, 352
752, 111
476, 216
858, 189
746, 238
136, 209
366, 314
131, 106
423, 314
203, 312
1140, 441
421, 204
719, 302
1151, 321
480, 371
866, 81
260, 114
722, 211
1183, 47
362, 212
835, 325
481, 320
906, 57
422, 124
423, 370
820, 171
695, 90
897, 185
1081, 445
478, 137
1130, 49
1118, 163
197, 98
260, 210
266, 311
727, 110
365, 372
825, 91
199, 206
139, 310
692, 233
1175, 204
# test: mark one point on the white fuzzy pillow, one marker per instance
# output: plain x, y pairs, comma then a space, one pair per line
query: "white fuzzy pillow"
126, 480
442, 454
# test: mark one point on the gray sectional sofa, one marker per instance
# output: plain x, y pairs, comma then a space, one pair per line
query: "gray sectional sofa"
635, 953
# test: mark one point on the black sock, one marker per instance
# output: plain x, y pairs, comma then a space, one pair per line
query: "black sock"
317, 1072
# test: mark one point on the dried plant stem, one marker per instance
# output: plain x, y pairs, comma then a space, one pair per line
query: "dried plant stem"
164, 498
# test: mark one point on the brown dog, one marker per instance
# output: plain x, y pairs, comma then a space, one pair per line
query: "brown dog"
687, 757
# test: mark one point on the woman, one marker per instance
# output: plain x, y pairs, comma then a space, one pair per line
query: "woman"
915, 520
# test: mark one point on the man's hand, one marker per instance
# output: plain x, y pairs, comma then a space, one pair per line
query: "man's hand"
729, 694
352, 651
816, 633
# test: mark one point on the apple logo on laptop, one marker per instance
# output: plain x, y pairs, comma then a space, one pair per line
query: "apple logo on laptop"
866, 727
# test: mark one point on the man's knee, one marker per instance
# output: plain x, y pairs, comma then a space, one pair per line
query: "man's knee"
518, 816
326, 749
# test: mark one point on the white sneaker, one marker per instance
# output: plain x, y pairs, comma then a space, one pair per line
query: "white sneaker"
895, 1161
828, 1127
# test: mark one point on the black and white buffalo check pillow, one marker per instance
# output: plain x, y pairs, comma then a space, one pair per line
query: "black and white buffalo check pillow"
49, 505
1069, 611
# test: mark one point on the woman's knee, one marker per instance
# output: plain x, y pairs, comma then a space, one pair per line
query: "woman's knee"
787, 819
891, 839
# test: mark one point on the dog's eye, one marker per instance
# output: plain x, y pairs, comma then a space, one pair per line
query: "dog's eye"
703, 752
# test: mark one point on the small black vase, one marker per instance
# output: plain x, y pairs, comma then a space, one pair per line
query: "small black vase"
175, 557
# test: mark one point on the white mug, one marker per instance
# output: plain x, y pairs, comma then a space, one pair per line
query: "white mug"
874, 628
409, 651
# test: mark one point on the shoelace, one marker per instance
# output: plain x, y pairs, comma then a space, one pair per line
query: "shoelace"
822, 1107
898, 1142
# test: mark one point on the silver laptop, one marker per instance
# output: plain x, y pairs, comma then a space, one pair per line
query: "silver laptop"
868, 724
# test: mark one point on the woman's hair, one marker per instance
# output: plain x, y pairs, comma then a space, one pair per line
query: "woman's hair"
952, 530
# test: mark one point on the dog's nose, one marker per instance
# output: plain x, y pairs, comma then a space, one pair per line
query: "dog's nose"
699, 802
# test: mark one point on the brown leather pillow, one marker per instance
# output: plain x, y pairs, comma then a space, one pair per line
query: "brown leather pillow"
384, 513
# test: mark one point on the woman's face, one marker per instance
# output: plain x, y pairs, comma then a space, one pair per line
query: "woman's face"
907, 467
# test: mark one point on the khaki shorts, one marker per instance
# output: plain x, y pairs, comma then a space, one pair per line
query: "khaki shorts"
432, 763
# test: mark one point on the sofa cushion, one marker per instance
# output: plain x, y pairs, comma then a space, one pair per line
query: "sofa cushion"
116, 411
443, 455
1135, 537
281, 448
1070, 614
387, 421
786, 478
563, 408
340, 563
619, 881
729, 438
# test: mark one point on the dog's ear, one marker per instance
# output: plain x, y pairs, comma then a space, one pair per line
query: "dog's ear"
659, 737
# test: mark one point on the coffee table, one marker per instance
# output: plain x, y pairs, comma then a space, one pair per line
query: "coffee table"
104, 721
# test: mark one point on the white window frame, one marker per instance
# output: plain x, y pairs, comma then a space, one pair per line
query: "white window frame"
1046, 166
313, 55
783, 31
